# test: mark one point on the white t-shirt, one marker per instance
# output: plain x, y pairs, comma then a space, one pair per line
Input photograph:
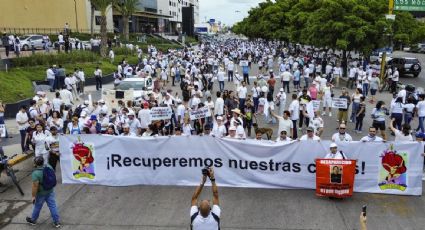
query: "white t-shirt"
371, 139
305, 137
294, 108
208, 223
399, 136
242, 91
337, 137
421, 108
286, 125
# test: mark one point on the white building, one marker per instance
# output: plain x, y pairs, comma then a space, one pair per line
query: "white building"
173, 9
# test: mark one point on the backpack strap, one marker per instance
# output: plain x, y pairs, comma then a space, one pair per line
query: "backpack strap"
216, 218
192, 218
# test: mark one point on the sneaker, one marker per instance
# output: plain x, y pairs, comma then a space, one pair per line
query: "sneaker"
57, 225
30, 221
330, 114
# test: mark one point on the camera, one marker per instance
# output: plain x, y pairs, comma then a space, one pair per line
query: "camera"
206, 171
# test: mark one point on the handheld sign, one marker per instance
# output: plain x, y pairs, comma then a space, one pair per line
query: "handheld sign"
160, 113
339, 103
316, 105
2, 130
200, 113
334, 177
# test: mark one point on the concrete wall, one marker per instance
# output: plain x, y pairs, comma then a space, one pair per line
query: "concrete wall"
42, 14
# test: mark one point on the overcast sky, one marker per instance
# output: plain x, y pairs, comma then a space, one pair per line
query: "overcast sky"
225, 10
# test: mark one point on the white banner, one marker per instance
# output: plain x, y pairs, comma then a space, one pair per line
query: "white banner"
339, 103
161, 113
389, 168
200, 113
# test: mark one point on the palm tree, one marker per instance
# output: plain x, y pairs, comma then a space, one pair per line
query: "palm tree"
126, 8
103, 6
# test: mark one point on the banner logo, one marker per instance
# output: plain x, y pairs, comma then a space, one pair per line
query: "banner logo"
393, 170
83, 161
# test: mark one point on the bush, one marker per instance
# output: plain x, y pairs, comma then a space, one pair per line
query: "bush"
55, 59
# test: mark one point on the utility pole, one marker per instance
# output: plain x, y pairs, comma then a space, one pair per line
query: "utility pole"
76, 15
389, 16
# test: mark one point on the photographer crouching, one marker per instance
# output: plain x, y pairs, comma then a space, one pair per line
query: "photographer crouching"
204, 217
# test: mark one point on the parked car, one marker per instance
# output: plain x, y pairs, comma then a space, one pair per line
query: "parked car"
140, 86
406, 65
35, 38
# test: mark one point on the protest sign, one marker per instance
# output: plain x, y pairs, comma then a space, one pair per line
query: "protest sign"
238, 163
160, 113
335, 178
316, 105
200, 113
339, 103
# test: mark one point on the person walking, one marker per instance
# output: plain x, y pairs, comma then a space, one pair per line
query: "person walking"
98, 78
378, 114
43, 191
5, 42
22, 121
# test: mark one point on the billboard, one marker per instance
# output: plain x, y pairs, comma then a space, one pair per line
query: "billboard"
409, 5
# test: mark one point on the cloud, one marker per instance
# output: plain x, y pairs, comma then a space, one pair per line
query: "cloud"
225, 10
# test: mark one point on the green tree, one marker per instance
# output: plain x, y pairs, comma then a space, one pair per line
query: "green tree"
126, 9
103, 6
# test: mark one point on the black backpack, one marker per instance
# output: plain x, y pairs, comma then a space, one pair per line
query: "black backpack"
193, 217
77, 111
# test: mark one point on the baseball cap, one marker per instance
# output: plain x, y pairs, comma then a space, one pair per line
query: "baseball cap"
310, 129
333, 145
232, 128
420, 135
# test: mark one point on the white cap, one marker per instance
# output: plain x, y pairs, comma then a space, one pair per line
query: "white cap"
131, 113
101, 101
281, 90
333, 145
232, 128
86, 102
83, 114
219, 118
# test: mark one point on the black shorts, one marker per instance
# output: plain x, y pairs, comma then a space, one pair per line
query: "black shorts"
379, 125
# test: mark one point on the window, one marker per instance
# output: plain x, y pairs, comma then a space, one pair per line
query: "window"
170, 13
170, 3
98, 19
160, 11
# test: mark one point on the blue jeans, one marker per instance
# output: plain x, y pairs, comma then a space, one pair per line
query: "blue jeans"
398, 120
421, 124
242, 104
177, 77
354, 110
51, 84
365, 89
408, 118
23, 135
51, 203
306, 80
256, 101
221, 85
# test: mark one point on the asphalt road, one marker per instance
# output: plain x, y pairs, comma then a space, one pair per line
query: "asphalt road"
167, 207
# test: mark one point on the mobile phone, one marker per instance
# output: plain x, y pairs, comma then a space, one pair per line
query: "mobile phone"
364, 210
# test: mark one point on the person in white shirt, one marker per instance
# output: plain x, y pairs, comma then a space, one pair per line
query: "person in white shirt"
371, 137
420, 108
39, 138
242, 93
22, 122
50, 76
66, 96
283, 137
111, 56
281, 100
205, 217
57, 102
220, 78
286, 76
401, 135
218, 130
294, 110
82, 81
285, 124
341, 135
98, 78
310, 135
144, 117
126, 131
327, 99
334, 153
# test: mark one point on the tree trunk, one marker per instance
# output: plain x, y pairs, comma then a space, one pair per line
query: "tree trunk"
103, 35
92, 20
344, 63
125, 27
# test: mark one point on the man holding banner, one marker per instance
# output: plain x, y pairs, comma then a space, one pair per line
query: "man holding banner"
335, 174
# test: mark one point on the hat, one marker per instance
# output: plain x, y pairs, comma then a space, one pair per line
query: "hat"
281, 90
125, 125
93, 117
232, 128
333, 145
131, 113
310, 129
264, 89
219, 118
83, 114
101, 101
238, 111
86, 102
420, 135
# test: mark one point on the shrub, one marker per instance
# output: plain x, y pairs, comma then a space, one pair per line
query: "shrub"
55, 59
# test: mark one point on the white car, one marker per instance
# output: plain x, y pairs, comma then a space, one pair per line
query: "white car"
140, 86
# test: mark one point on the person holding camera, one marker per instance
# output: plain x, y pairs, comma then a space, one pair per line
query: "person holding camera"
205, 217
